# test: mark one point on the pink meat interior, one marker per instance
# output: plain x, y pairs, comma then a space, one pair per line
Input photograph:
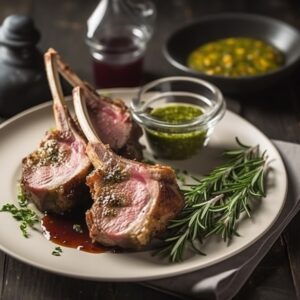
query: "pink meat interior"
111, 124
51, 175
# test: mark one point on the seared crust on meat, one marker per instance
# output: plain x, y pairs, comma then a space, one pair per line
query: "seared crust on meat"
53, 176
133, 201
136, 230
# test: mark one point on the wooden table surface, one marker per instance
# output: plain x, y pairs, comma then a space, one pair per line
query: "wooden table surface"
275, 112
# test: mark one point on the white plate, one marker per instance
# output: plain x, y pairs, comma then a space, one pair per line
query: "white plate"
21, 134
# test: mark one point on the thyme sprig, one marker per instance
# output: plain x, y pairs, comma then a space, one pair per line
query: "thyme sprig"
215, 202
23, 214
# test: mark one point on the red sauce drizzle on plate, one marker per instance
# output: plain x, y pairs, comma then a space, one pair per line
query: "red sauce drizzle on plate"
61, 230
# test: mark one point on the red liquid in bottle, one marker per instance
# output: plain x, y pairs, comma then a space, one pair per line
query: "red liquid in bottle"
120, 65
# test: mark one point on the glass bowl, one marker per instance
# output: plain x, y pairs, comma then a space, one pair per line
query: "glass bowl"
178, 115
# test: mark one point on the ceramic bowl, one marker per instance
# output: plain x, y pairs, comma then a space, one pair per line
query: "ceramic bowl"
276, 33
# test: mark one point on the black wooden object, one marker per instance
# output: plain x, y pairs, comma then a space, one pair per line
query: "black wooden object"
22, 77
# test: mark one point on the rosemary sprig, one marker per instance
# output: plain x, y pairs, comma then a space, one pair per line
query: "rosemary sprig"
23, 214
215, 202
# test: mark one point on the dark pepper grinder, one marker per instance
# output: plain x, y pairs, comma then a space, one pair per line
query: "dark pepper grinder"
23, 81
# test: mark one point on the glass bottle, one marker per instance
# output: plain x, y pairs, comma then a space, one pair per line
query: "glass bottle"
117, 35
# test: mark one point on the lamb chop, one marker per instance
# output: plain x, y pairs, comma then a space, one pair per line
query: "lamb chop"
133, 201
53, 176
110, 118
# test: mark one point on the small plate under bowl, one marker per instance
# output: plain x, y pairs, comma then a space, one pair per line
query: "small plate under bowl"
276, 33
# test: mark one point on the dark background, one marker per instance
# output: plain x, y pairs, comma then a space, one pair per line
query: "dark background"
275, 112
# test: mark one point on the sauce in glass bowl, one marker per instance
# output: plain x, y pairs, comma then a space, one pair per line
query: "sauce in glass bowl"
176, 145
178, 115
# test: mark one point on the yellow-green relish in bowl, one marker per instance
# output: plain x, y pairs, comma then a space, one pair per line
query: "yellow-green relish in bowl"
235, 57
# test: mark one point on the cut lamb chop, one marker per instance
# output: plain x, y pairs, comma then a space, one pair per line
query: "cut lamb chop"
110, 118
53, 176
133, 201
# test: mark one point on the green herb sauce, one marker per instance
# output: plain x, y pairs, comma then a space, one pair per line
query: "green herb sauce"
176, 113
235, 57
176, 145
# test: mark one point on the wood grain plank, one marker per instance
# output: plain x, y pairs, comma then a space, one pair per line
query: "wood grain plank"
292, 231
271, 279
293, 246
3, 269
33, 283
62, 24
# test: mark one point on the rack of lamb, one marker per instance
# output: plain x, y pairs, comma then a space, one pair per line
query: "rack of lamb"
111, 118
53, 176
132, 201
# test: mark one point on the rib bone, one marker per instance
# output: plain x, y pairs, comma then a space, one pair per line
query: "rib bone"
110, 118
53, 176
133, 201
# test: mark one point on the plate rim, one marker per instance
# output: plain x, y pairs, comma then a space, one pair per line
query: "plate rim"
139, 278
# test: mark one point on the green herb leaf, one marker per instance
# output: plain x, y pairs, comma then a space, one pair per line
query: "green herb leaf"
22, 213
57, 251
215, 202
